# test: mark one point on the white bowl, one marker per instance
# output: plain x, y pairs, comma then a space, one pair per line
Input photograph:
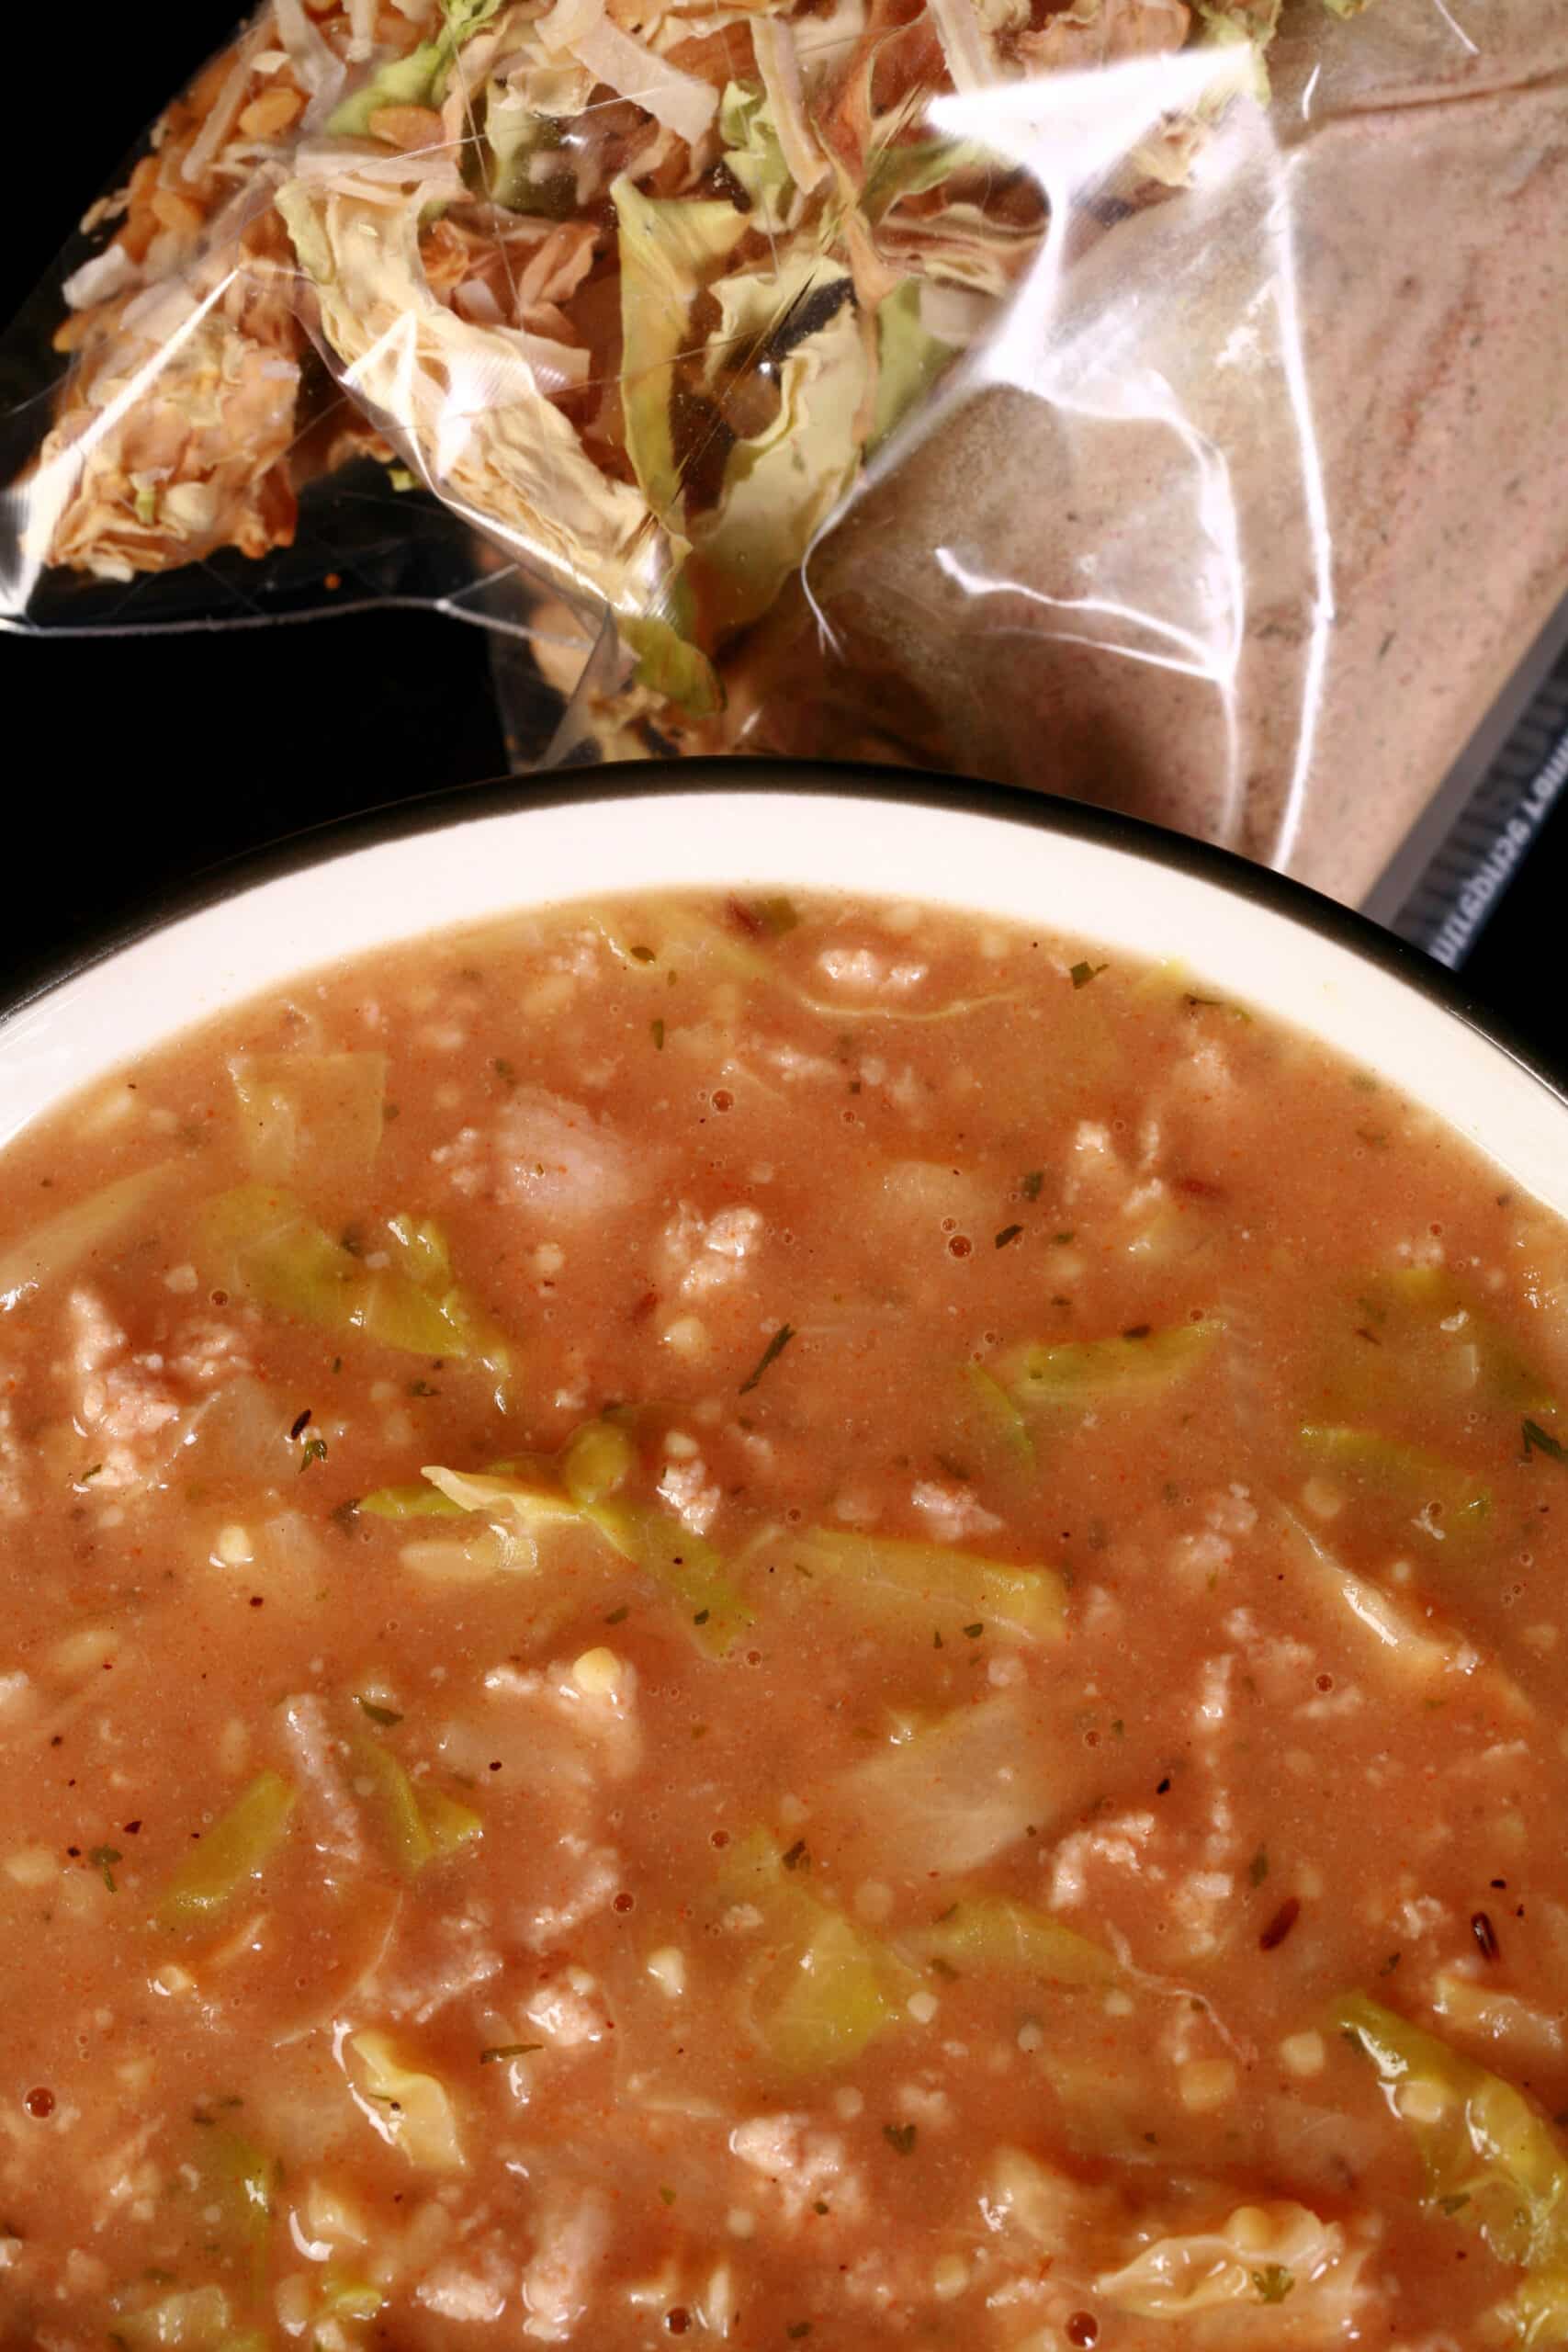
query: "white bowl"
462, 858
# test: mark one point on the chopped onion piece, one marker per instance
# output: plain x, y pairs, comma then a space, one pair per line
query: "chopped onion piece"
969, 62
382, 178
677, 100
362, 24
567, 22
202, 152
772, 44
100, 279
467, 76
555, 365
317, 66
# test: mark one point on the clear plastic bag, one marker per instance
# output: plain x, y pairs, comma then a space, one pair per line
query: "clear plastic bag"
1026, 388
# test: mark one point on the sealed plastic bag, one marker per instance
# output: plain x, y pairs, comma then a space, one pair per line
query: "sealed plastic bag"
591, 274
1247, 529
988, 381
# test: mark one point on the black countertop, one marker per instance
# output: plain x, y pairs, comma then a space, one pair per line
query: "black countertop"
149, 758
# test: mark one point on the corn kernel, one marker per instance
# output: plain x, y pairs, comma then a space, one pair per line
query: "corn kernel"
1303, 2053
598, 1673
80, 1653
666, 1966
1206, 2084
687, 1335
274, 111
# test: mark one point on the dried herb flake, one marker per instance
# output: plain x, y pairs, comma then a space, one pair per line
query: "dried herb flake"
103, 1859
770, 1355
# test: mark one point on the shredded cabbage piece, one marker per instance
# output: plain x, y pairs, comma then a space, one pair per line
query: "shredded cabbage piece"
1094, 1372
259, 1240
194, 2319
992, 1424
778, 62
1491, 2162
237, 2185
419, 1825
679, 100
236, 1848
910, 359
511, 458
664, 936
1409, 1640
310, 1117
1416, 1330
824, 1989
923, 1587
756, 157
994, 1934
527, 1490
953, 1796
670, 253
970, 62
50, 1250
1478, 2013
411, 2110
684, 1565
1260, 2256
411, 1502
781, 483
1440, 1501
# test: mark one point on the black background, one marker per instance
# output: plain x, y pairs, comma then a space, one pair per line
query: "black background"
137, 761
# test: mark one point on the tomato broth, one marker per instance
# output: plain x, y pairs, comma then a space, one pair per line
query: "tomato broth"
777, 1620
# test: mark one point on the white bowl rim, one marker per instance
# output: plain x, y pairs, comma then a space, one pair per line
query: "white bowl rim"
27, 991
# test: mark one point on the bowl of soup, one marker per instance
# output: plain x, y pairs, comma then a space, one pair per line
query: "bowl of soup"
784, 1564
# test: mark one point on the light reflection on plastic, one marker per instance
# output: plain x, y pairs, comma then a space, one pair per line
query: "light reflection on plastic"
1108, 348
